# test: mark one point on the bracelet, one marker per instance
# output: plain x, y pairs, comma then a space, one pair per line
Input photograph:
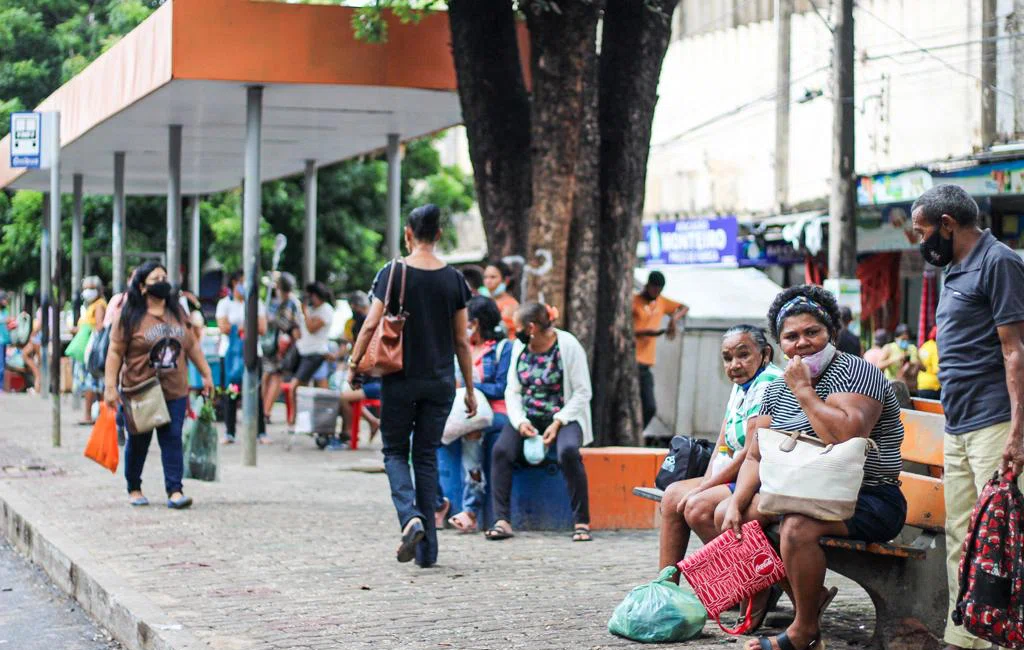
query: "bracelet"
353, 364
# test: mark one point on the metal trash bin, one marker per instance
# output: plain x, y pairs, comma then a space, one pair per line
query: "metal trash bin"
316, 410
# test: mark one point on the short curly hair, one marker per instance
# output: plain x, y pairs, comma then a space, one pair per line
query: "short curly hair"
813, 293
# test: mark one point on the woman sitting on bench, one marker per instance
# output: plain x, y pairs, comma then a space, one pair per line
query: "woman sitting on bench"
747, 358
836, 397
548, 397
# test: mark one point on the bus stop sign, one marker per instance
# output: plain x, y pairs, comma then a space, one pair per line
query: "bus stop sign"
26, 140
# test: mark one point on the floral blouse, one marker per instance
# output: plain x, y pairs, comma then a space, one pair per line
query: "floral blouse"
541, 376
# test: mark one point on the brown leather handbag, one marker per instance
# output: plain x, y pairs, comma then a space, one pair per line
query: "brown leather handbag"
383, 355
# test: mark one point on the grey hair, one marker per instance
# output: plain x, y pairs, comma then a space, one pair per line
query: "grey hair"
947, 199
756, 333
93, 281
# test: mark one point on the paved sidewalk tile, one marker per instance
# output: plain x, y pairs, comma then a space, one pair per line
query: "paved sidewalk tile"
298, 553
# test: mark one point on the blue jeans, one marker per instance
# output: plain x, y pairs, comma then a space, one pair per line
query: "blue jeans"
413, 414
169, 437
3, 359
474, 483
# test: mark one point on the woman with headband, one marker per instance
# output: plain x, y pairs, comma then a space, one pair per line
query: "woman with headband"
835, 397
548, 404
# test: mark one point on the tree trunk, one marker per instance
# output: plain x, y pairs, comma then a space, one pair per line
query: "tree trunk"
496, 112
563, 46
635, 38
584, 245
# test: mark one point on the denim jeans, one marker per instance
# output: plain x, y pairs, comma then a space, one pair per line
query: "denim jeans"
169, 437
648, 405
413, 414
474, 483
3, 359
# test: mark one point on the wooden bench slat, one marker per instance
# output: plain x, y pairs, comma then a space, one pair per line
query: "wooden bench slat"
926, 506
891, 550
928, 406
924, 436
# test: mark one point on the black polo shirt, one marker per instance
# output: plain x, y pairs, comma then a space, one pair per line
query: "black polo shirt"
981, 293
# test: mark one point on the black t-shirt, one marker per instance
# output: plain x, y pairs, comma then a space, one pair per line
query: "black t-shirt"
431, 300
848, 343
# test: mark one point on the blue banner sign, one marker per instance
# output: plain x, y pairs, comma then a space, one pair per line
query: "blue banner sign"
694, 241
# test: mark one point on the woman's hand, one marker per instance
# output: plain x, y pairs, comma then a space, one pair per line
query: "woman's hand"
110, 395
797, 375
733, 519
207, 386
527, 430
551, 432
470, 403
353, 379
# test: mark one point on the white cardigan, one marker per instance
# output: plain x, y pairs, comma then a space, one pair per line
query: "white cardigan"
576, 390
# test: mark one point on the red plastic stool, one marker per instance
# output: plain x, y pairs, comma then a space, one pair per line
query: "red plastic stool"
357, 415
289, 402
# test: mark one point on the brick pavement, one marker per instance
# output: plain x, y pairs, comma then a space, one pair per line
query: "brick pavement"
298, 554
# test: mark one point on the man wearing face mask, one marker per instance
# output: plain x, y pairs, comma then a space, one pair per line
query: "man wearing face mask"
649, 311
980, 320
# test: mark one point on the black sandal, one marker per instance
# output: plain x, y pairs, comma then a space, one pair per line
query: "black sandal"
581, 534
411, 536
758, 618
499, 532
785, 643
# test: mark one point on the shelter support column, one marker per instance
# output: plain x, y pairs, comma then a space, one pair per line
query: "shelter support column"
117, 231
194, 258
251, 208
76, 243
394, 195
52, 287
309, 243
174, 206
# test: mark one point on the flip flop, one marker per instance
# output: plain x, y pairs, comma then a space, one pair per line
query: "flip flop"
180, 503
784, 643
139, 501
498, 533
441, 516
411, 536
761, 615
463, 522
582, 534
830, 596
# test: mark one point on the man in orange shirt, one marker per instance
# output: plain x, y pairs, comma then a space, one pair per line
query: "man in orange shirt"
649, 311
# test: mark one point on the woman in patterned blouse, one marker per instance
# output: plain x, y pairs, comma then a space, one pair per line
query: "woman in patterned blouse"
548, 395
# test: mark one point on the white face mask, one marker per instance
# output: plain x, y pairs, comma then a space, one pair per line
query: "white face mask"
818, 361
89, 295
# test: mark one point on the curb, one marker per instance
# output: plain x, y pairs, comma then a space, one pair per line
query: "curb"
130, 617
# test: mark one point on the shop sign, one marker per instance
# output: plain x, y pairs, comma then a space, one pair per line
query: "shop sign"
893, 188
693, 241
763, 254
990, 180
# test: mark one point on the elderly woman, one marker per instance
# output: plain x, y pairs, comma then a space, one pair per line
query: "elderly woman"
747, 358
835, 397
94, 307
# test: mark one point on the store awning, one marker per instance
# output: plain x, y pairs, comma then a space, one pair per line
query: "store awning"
717, 296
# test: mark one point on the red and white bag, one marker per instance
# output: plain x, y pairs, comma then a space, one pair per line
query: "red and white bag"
728, 570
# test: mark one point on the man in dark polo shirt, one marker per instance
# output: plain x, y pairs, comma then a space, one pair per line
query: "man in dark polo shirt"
980, 319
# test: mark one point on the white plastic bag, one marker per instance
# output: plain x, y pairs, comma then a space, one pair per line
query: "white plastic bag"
459, 424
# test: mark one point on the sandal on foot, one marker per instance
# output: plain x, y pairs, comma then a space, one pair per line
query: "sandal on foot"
581, 534
441, 515
758, 618
464, 522
499, 531
829, 597
139, 501
784, 643
411, 536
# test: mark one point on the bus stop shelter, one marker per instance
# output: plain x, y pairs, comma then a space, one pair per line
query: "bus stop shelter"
206, 94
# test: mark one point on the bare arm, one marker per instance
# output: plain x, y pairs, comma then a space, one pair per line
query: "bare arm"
224, 325
101, 312
115, 356
369, 327
748, 481
841, 417
1011, 337
462, 350
261, 325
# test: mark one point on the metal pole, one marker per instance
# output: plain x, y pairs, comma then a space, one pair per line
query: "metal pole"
842, 228
250, 259
76, 244
194, 260
54, 285
783, 24
394, 195
989, 72
174, 206
117, 231
309, 250
44, 300
1016, 27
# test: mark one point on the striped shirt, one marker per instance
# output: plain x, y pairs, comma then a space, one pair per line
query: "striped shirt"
847, 374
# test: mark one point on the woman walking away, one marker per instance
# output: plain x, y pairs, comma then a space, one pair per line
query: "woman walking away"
416, 401
835, 397
492, 354
153, 339
548, 395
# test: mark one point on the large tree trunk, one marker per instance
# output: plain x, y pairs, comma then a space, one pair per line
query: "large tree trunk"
635, 38
562, 49
496, 111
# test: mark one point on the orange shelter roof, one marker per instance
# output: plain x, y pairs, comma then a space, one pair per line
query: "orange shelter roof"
327, 95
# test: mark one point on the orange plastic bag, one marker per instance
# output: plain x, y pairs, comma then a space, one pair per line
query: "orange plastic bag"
102, 445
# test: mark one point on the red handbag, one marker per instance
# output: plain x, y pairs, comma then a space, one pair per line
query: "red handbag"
728, 570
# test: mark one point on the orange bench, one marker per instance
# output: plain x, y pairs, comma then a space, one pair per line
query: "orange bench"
611, 473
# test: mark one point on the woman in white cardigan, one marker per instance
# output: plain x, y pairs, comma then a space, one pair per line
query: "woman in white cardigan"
548, 395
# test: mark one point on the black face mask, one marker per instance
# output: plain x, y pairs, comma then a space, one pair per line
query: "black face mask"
523, 337
937, 250
160, 290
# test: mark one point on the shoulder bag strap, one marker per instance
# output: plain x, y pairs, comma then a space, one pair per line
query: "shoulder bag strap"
401, 292
387, 291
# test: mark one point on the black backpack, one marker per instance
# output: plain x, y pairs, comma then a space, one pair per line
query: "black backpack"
687, 458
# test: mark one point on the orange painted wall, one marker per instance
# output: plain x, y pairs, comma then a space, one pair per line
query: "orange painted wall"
612, 473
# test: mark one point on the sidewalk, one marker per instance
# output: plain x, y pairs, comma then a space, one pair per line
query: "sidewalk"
298, 554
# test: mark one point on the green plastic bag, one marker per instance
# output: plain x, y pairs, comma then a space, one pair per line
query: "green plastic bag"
659, 611
199, 440
76, 348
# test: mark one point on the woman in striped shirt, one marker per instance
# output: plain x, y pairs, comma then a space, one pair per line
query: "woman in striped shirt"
835, 397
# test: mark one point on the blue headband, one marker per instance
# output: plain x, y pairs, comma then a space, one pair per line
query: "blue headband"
802, 301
